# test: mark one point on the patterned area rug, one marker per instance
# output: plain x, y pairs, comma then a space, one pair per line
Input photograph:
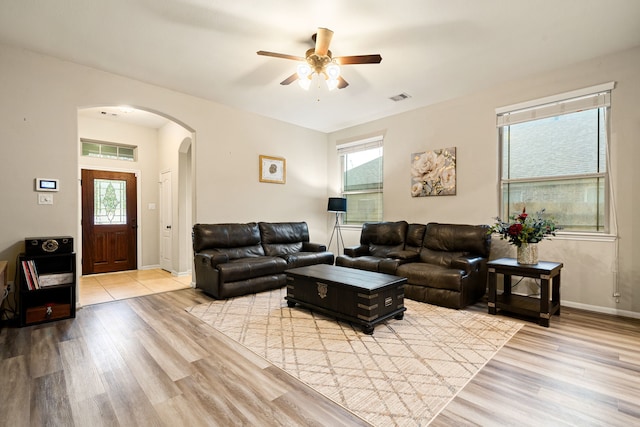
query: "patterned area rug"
404, 374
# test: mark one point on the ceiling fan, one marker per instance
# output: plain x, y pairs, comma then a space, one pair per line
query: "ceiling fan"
320, 61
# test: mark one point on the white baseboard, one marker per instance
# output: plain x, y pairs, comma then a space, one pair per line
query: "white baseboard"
182, 273
598, 309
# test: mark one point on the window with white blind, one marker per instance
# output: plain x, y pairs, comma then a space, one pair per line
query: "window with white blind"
361, 172
554, 157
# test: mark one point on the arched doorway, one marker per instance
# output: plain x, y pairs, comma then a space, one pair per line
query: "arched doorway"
160, 143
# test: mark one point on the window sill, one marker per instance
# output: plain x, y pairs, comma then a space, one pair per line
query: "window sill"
351, 226
587, 237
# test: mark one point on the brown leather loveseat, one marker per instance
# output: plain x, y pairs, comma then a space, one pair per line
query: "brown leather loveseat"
238, 259
445, 264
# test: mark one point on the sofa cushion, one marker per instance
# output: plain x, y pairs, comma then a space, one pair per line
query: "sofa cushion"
282, 238
251, 286
247, 268
228, 236
369, 263
415, 237
430, 275
383, 237
458, 238
441, 258
303, 259
242, 252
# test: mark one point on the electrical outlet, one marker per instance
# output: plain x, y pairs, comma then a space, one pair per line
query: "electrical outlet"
9, 286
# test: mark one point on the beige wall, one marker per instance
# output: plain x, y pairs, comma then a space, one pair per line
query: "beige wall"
589, 276
39, 138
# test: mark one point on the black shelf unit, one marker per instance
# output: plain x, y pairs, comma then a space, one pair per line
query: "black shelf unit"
49, 303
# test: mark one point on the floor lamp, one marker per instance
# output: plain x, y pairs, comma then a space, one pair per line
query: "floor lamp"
337, 205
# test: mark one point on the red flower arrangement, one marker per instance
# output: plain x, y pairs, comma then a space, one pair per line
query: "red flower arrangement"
524, 228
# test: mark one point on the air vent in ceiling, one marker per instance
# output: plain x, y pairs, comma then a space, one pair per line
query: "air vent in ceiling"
400, 97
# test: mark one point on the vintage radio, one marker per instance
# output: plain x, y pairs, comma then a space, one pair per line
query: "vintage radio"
48, 245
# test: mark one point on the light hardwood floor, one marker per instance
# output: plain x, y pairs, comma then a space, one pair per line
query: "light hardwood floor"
145, 361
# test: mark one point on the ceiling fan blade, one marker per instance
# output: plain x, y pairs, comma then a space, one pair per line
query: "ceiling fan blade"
292, 78
342, 83
323, 38
359, 59
280, 55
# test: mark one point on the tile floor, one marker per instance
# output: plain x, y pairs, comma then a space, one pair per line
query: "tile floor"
98, 288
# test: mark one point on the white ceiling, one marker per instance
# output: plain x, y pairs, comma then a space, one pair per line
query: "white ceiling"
125, 114
432, 50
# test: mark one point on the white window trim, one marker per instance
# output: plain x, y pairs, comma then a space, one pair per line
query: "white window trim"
584, 236
578, 93
360, 145
109, 144
376, 140
521, 112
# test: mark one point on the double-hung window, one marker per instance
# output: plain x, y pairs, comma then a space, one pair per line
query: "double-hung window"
554, 157
361, 172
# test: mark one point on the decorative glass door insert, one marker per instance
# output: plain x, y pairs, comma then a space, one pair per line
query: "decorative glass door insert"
110, 201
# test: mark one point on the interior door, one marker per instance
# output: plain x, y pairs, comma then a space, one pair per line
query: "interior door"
166, 221
109, 221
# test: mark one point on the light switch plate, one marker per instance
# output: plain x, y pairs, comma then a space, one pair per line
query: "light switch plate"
45, 199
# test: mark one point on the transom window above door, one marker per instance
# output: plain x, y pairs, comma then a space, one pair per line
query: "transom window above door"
108, 150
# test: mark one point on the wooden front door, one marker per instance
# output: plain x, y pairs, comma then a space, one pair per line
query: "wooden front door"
109, 221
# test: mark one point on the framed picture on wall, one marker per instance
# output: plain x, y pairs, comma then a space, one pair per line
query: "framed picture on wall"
433, 173
273, 169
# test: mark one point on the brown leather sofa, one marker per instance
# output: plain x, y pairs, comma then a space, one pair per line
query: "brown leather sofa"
239, 259
445, 264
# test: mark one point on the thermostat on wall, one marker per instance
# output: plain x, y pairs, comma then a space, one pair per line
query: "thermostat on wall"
47, 184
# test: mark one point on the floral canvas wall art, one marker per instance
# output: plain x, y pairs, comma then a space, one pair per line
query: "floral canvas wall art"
433, 173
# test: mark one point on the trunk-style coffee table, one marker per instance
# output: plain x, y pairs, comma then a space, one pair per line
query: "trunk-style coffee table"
361, 297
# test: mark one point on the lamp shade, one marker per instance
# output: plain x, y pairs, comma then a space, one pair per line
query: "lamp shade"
337, 204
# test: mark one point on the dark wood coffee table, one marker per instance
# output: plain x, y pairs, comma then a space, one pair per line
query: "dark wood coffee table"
361, 297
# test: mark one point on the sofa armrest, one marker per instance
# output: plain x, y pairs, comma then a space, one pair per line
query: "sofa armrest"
356, 251
313, 247
469, 263
211, 259
404, 256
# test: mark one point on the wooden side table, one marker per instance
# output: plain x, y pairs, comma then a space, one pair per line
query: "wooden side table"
542, 308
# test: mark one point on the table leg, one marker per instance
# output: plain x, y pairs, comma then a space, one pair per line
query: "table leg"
506, 285
493, 292
555, 293
544, 301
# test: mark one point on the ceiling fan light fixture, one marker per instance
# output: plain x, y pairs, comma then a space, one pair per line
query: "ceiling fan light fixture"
305, 83
332, 84
319, 60
333, 71
304, 71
